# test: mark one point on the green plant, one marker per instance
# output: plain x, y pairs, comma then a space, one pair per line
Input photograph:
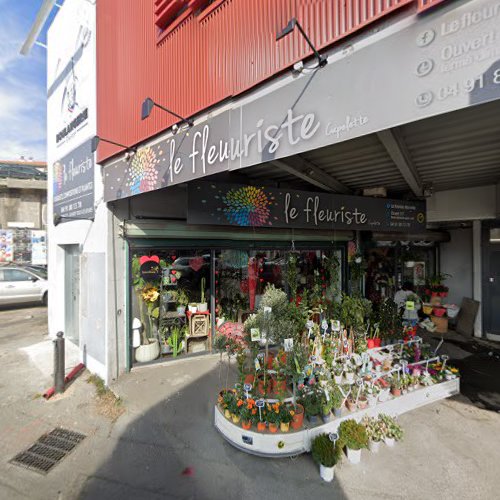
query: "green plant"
203, 282
374, 429
390, 428
354, 311
353, 435
391, 322
285, 415
182, 297
337, 397
312, 403
325, 452
175, 339
291, 274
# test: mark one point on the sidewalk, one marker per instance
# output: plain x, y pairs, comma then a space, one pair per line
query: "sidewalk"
165, 445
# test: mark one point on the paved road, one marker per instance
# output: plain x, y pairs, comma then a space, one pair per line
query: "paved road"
450, 448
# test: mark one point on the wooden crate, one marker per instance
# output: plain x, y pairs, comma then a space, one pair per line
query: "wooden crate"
441, 324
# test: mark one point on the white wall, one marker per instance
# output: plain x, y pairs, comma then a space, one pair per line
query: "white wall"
456, 259
72, 37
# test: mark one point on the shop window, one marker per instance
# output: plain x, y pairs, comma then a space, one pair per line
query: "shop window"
170, 303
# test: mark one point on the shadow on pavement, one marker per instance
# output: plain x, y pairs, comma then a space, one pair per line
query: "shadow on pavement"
174, 451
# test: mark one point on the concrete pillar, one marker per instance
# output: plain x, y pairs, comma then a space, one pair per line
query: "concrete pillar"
477, 281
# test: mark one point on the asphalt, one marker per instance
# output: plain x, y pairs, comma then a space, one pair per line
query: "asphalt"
165, 445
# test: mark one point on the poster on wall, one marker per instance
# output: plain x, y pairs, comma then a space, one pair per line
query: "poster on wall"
6, 244
419, 274
39, 248
73, 184
22, 245
257, 206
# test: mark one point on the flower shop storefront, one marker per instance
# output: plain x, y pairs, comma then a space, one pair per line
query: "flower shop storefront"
182, 291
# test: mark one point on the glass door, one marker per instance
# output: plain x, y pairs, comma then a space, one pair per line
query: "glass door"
491, 280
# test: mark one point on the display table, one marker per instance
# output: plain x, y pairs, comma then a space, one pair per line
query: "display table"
292, 443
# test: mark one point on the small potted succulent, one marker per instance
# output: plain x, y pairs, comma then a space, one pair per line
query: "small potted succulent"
326, 407
285, 416
372, 392
396, 386
374, 433
353, 436
391, 430
349, 373
327, 454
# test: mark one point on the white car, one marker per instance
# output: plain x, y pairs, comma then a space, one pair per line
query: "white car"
19, 285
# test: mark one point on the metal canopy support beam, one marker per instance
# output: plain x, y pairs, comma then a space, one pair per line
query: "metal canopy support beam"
395, 146
309, 172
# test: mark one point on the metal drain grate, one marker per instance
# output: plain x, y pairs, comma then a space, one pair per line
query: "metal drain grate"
50, 449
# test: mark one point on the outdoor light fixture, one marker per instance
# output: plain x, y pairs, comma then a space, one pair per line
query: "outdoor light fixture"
96, 139
59, 218
322, 61
149, 104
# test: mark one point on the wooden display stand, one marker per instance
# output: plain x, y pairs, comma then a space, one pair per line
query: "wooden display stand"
199, 332
441, 323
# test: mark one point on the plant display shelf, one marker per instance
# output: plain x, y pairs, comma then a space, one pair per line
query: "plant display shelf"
297, 442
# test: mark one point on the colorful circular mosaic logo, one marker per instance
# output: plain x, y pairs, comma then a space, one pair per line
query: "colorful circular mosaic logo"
247, 206
142, 173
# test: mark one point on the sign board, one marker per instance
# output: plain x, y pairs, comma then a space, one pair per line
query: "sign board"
39, 247
419, 67
73, 183
252, 206
6, 245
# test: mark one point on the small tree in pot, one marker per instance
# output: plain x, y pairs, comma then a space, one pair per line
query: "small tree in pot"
327, 454
353, 436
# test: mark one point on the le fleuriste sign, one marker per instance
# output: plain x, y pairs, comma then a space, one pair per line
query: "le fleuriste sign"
422, 66
255, 206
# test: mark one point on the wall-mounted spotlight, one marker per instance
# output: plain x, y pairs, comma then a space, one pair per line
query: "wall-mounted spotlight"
322, 61
96, 140
149, 104
60, 218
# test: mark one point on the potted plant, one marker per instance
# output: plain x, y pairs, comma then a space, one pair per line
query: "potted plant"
337, 400
273, 416
312, 406
327, 454
362, 400
338, 370
248, 412
349, 372
176, 339
374, 433
391, 430
285, 416
351, 402
372, 392
182, 300
227, 399
202, 305
326, 407
396, 386
354, 438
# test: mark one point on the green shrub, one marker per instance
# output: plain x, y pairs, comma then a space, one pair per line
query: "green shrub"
353, 435
324, 451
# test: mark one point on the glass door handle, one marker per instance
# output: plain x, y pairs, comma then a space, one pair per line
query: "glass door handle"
492, 280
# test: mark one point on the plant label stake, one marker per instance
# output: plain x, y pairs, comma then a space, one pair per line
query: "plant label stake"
333, 437
359, 383
438, 347
445, 358
247, 388
324, 327
404, 364
260, 404
309, 326
397, 368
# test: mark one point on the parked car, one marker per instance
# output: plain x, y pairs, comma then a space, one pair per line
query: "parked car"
19, 285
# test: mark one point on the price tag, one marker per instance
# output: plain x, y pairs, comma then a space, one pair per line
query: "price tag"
257, 364
333, 436
410, 305
254, 334
260, 403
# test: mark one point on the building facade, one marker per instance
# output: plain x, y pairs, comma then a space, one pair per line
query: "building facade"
230, 147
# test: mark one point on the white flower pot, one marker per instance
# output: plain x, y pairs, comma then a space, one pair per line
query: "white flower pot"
326, 473
202, 307
338, 379
145, 353
193, 309
384, 395
349, 377
374, 446
389, 441
354, 456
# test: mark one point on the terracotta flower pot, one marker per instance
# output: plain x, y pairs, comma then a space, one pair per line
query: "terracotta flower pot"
273, 428
351, 405
250, 378
284, 427
362, 402
395, 392
261, 426
298, 418
246, 425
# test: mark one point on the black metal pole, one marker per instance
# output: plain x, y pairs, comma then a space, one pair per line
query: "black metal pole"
59, 362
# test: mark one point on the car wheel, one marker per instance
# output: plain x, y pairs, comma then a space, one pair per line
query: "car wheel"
45, 299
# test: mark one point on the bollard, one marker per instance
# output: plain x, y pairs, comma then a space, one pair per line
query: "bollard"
59, 368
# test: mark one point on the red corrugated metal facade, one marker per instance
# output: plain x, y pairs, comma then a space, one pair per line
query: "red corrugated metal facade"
207, 57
